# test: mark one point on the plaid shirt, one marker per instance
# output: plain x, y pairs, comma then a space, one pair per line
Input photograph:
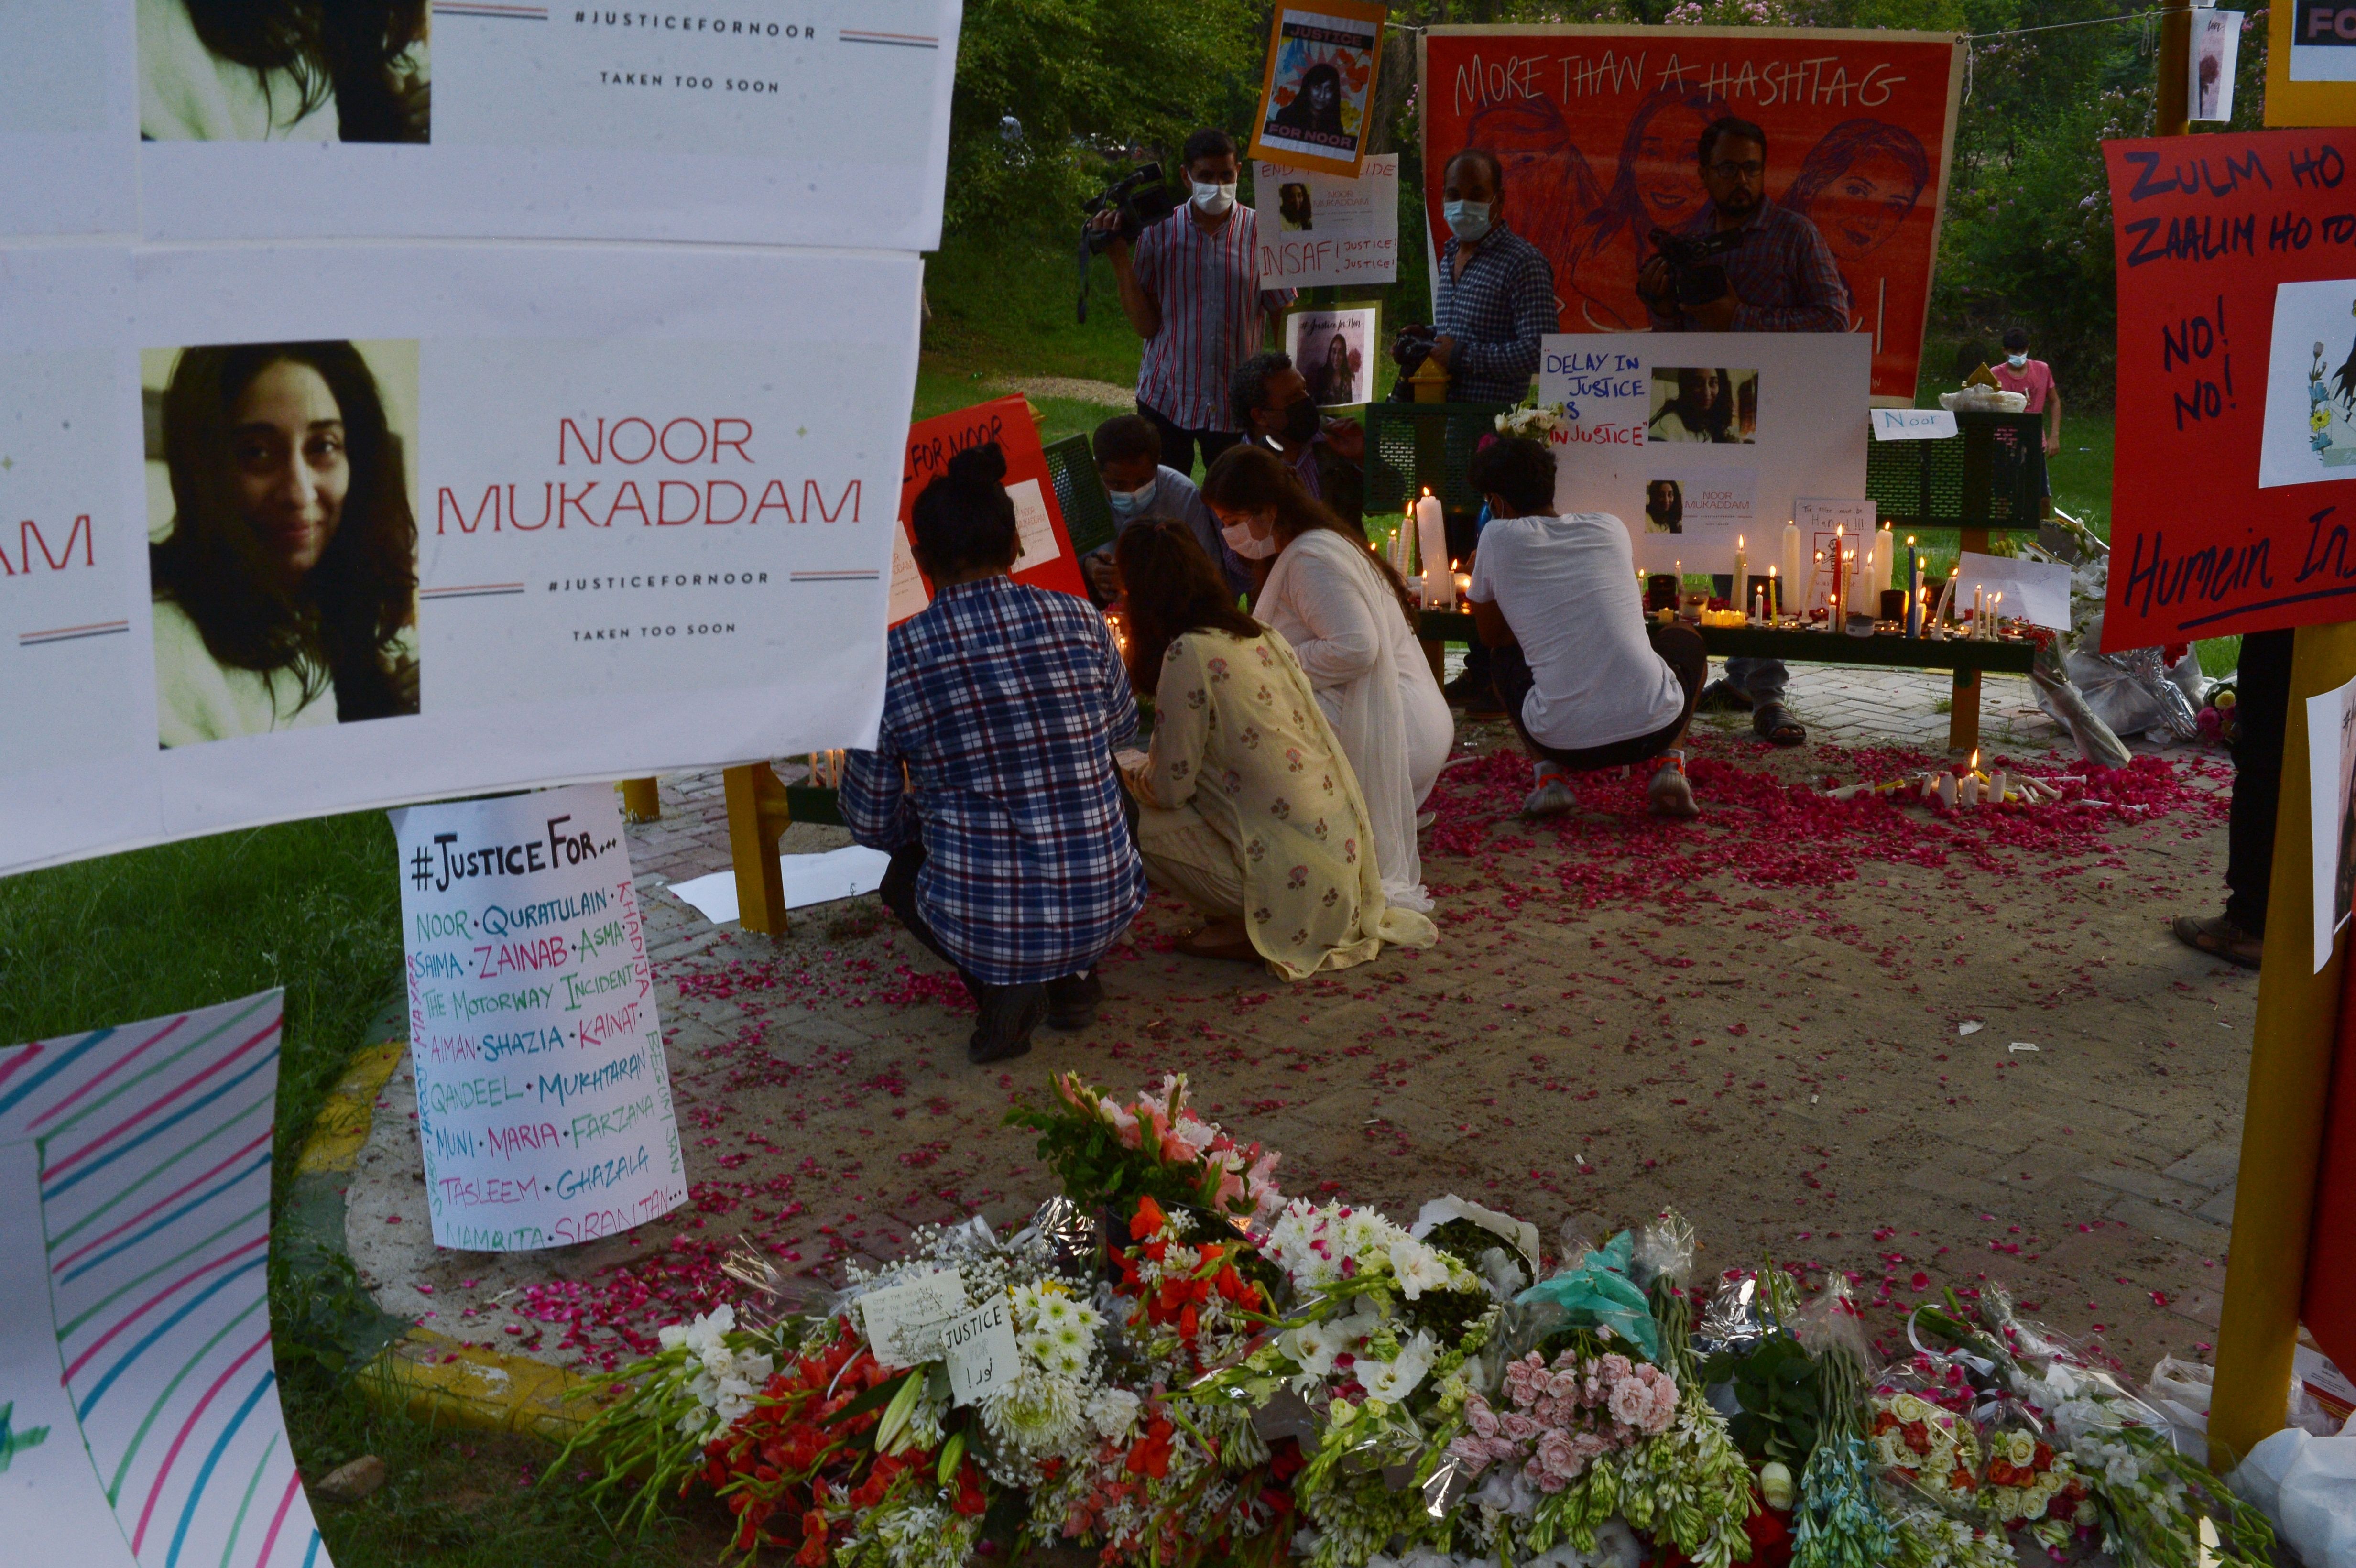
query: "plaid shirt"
1005, 703
1207, 288
1496, 312
1782, 273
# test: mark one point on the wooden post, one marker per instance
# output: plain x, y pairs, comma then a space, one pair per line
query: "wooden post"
641, 800
757, 815
2290, 1081
1963, 697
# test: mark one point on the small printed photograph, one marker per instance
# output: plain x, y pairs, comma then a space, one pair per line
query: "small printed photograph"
284, 70
2216, 50
1664, 507
2310, 429
282, 526
1321, 73
1329, 348
1293, 206
1702, 403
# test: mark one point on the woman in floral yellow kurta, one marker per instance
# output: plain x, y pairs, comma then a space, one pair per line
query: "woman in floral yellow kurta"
1249, 808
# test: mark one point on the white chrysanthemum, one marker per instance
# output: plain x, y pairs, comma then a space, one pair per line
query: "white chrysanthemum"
1069, 1363
1112, 1412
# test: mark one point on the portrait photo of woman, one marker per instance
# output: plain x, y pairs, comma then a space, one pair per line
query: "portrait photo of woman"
1859, 185
1292, 208
1315, 111
1664, 507
285, 573
1698, 403
284, 70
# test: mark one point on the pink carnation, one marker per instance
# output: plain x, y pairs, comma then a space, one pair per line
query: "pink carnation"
1480, 1417
1518, 1426
1473, 1452
1557, 1463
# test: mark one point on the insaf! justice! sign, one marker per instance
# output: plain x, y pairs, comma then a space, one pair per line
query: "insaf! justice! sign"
1598, 129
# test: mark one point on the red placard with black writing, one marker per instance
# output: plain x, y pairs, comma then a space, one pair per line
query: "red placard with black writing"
1046, 560
1598, 129
2231, 506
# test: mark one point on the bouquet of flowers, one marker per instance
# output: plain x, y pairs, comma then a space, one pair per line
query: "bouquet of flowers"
1933, 1450
1153, 1147
1535, 422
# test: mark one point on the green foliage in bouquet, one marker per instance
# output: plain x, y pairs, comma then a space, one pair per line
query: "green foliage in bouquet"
1780, 1387
1110, 1154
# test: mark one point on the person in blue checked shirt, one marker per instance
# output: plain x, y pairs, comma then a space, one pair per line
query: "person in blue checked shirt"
992, 784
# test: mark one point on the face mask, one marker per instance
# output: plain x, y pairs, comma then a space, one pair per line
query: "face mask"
1128, 503
1214, 200
1468, 220
1299, 421
2015, 360
1242, 540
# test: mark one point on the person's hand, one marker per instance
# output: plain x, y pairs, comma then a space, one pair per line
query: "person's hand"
1444, 350
1653, 284
1108, 222
1718, 315
1348, 438
2052, 443
1103, 576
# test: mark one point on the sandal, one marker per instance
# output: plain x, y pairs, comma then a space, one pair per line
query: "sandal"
1238, 948
1722, 696
1773, 722
2220, 938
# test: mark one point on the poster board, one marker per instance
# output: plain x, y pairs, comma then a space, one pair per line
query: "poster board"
1046, 559
752, 124
1596, 127
543, 1096
1694, 439
1335, 348
153, 1225
644, 485
2314, 82
1319, 228
2231, 506
1317, 93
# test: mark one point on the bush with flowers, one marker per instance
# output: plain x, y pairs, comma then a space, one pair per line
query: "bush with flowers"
1205, 1372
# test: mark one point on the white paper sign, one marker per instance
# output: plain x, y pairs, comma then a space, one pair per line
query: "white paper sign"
543, 1097
2319, 51
50, 1502
2037, 592
982, 1353
1320, 229
2330, 774
2310, 429
1335, 351
1913, 425
1694, 439
909, 593
2216, 51
904, 1321
1034, 530
643, 537
825, 123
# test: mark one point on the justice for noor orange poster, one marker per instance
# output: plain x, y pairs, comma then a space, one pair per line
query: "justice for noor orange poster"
1598, 129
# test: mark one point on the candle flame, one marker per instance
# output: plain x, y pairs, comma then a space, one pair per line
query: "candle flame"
1976, 759
1737, 541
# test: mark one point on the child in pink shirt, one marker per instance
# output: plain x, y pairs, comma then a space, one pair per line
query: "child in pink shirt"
2034, 379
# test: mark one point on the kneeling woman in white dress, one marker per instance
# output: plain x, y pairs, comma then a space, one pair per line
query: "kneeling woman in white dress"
1347, 617
285, 594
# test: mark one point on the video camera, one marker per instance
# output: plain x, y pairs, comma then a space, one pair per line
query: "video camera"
1694, 276
1410, 349
1141, 197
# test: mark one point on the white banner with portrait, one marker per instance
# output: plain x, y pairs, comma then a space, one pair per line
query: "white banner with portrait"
1694, 440
1317, 228
402, 522
822, 123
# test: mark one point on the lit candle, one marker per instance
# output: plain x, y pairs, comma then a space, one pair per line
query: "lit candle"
1770, 592
1432, 550
1839, 602
1741, 569
1464, 586
1885, 560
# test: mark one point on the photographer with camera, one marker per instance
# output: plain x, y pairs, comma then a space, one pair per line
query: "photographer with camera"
1495, 297
1192, 290
1744, 264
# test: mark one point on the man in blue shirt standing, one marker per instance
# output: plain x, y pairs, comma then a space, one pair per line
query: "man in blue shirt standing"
1493, 300
993, 782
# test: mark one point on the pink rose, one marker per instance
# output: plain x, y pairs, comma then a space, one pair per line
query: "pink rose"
1520, 1428
1631, 1402
1558, 1462
1480, 1417
1563, 1384
1473, 1452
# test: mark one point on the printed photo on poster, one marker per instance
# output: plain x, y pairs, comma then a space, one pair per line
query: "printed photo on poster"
1601, 151
1334, 352
1664, 507
2216, 50
2310, 433
1703, 403
1685, 498
284, 70
283, 554
1318, 83
1317, 228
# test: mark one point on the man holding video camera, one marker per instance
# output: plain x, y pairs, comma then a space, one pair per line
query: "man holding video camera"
1744, 265
1192, 290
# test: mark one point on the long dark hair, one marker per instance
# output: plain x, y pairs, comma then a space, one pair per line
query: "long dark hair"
1717, 419
345, 613
1844, 145
346, 49
1173, 589
1622, 206
1301, 115
1248, 478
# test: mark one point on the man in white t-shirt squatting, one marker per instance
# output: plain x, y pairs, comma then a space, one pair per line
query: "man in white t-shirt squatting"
1587, 679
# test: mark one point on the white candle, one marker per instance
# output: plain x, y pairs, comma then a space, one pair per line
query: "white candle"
1970, 790
1741, 573
1999, 784
1946, 787
1432, 550
1885, 562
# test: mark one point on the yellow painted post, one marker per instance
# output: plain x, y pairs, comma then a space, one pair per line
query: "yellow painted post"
758, 815
2290, 1080
641, 800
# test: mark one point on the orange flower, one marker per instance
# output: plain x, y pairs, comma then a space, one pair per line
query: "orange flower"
1148, 1220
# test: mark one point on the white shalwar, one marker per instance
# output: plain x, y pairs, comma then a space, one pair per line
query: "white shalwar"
1327, 598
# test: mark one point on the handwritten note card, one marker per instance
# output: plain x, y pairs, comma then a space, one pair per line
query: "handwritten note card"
543, 1098
1913, 424
904, 1321
980, 1350
1032, 526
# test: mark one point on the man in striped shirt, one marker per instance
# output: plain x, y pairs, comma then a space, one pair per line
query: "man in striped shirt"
1192, 290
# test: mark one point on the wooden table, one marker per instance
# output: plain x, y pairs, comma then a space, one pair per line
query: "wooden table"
1966, 658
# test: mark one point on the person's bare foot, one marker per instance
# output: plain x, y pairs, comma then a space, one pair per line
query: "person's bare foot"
1224, 938
1670, 793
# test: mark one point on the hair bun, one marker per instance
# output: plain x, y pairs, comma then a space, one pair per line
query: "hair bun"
983, 464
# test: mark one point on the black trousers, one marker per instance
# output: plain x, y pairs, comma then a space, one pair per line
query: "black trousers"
1680, 648
1179, 444
2263, 693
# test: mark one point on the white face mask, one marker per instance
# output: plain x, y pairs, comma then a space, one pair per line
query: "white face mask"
2015, 360
1214, 200
1245, 543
